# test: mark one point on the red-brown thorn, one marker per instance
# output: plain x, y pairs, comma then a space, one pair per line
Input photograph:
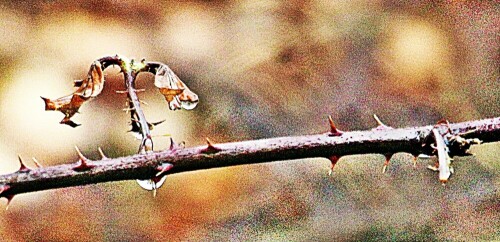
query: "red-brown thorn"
23, 167
333, 130
388, 157
333, 159
9, 199
83, 162
210, 148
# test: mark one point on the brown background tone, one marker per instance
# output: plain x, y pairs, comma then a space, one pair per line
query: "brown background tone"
261, 69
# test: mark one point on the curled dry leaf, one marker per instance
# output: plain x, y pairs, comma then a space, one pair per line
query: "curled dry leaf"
69, 105
174, 90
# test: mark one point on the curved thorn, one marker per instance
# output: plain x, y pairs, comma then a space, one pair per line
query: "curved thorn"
80, 155
333, 160
83, 162
432, 168
23, 166
143, 102
4, 188
388, 157
103, 156
210, 148
9, 199
37, 164
333, 129
378, 120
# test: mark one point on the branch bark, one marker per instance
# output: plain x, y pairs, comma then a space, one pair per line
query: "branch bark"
145, 166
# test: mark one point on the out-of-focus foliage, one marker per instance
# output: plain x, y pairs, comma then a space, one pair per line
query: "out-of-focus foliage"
261, 69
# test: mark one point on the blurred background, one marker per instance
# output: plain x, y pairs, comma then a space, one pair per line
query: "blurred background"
262, 69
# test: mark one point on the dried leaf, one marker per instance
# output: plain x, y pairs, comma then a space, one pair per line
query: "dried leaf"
174, 90
69, 105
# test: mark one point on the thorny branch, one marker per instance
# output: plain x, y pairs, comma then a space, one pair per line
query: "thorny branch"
415, 140
443, 140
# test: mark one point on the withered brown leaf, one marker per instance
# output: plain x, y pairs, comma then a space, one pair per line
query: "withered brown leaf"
87, 88
174, 90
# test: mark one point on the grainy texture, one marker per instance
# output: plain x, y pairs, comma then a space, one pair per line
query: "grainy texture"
144, 166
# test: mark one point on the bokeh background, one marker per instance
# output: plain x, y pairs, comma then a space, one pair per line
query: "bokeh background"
262, 69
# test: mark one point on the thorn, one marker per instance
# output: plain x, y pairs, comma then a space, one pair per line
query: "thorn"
23, 167
143, 61
103, 156
333, 159
163, 168
151, 126
83, 162
9, 199
415, 157
127, 110
388, 157
333, 130
121, 91
381, 126
378, 120
210, 148
172, 144
37, 164
139, 90
143, 102
432, 168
